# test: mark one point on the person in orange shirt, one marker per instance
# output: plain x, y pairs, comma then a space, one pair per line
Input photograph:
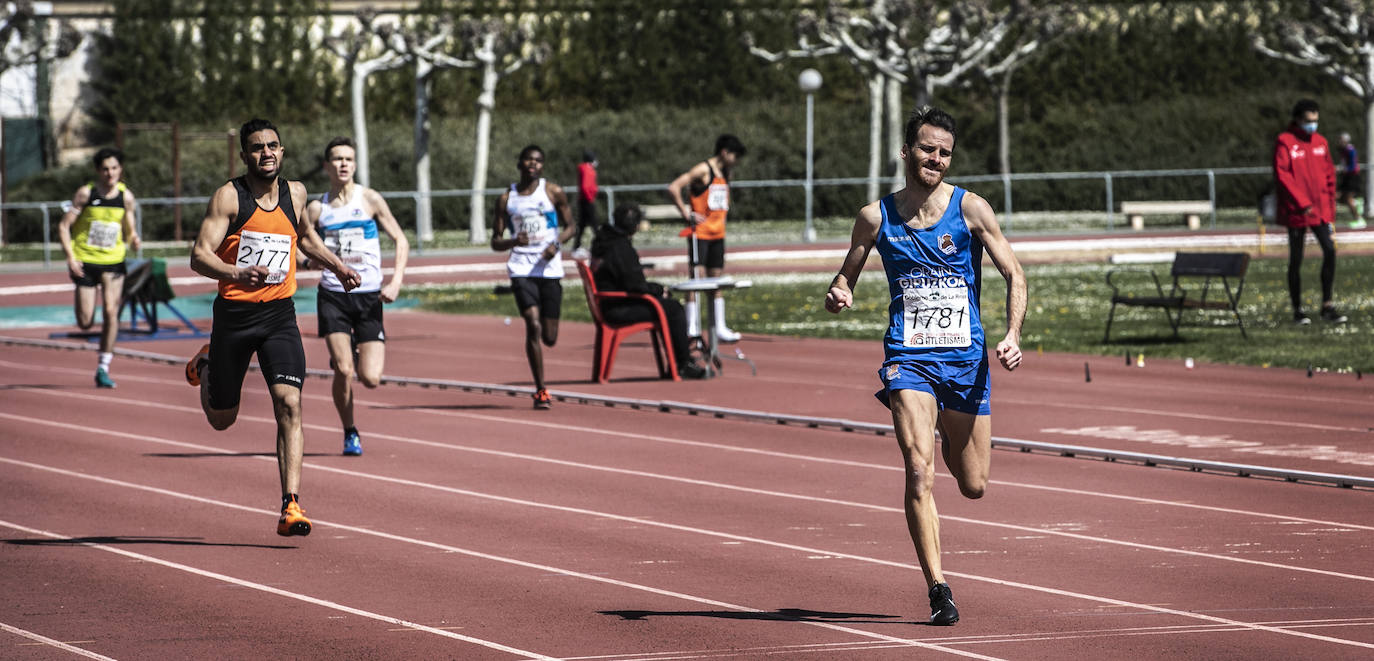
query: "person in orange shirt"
707, 205
248, 242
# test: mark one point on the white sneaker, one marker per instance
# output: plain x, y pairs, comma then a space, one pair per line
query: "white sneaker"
726, 335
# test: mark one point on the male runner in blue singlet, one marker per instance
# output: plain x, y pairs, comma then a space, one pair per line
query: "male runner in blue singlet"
931, 236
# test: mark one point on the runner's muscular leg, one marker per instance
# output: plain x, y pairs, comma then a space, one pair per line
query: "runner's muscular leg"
341, 353
111, 290
550, 331
966, 443
533, 352
286, 406
914, 415
85, 307
371, 359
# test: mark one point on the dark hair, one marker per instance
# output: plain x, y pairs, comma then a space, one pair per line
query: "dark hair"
340, 141
253, 126
928, 115
1303, 107
105, 153
530, 148
626, 218
729, 142
588, 156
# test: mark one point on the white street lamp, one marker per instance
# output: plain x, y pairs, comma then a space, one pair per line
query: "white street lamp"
809, 81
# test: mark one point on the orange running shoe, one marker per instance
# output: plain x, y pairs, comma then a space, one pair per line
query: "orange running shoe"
193, 365
542, 400
293, 521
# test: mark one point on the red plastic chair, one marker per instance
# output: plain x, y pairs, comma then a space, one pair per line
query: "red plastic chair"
609, 336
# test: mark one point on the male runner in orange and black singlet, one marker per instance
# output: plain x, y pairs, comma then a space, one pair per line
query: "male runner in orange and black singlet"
248, 243
708, 189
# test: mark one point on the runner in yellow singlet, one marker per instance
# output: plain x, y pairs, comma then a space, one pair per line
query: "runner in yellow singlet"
93, 234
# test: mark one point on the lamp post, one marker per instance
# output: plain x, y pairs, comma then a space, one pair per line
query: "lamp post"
809, 81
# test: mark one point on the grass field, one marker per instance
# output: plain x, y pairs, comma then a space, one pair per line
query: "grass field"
1067, 313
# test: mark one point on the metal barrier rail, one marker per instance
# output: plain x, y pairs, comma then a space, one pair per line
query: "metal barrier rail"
835, 424
611, 190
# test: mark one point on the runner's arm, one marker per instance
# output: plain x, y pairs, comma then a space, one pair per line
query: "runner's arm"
388, 222
982, 222
560, 207
223, 207
310, 243
698, 171
64, 229
861, 240
130, 215
499, 240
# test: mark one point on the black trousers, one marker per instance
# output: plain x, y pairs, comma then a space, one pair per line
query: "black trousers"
625, 312
1296, 236
586, 218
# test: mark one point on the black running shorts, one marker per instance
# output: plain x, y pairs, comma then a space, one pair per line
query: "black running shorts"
708, 252
242, 329
543, 293
91, 273
359, 315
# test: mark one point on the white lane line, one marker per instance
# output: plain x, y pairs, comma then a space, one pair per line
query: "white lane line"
1189, 416
53, 643
674, 441
333, 605
687, 529
719, 485
545, 569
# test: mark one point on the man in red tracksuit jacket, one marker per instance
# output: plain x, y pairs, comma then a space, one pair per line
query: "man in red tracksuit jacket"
1306, 180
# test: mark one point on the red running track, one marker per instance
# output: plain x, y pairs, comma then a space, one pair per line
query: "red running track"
476, 528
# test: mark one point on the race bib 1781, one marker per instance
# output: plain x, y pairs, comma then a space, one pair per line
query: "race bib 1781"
936, 317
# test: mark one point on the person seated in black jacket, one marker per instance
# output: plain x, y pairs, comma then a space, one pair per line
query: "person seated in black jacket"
616, 267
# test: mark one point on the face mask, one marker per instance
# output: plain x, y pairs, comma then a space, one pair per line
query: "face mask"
1310, 127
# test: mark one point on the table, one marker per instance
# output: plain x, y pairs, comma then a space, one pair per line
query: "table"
711, 286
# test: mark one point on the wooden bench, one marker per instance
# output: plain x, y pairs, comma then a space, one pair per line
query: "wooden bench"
1228, 267
1191, 210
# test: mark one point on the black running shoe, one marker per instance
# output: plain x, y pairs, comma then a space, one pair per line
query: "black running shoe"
1300, 318
942, 610
1330, 315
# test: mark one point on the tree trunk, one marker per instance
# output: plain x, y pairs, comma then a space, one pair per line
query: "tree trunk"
1369, 150
1004, 124
894, 132
875, 135
477, 225
357, 88
424, 219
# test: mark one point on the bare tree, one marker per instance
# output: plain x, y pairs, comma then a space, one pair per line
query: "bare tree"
1335, 37
499, 48
899, 42
428, 53
1041, 25
365, 50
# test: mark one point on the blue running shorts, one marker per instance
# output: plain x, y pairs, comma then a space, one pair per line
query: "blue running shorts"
956, 386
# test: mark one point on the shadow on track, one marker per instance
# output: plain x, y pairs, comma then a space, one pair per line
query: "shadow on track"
113, 540
781, 615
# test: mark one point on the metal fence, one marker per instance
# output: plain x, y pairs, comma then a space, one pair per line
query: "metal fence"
999, 189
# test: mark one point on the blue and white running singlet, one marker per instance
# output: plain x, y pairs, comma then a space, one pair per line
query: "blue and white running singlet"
352, 235
535, 215
934, 276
